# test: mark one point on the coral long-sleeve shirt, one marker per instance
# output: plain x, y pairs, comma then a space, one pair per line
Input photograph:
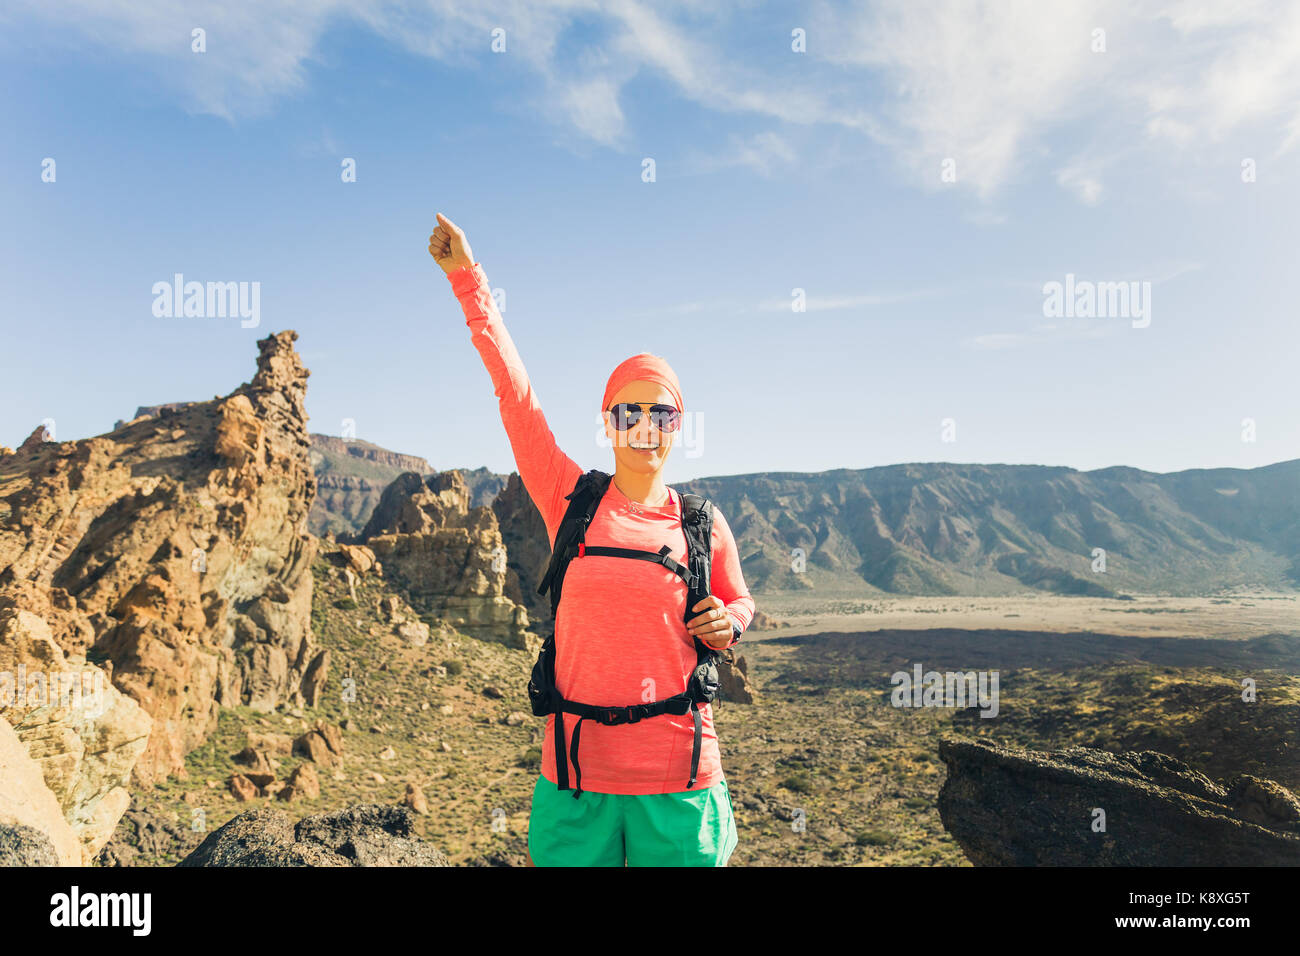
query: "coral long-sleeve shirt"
620, 634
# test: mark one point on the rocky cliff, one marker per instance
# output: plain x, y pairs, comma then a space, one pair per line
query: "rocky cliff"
172, 557
528, 550
448, 557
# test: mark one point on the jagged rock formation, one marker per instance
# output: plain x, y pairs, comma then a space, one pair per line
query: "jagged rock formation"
151, 411
733, 678
174, 553
447, 557
367, 835
1008, 807
528, 551
351, 476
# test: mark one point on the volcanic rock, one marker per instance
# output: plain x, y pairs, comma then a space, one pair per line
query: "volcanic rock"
1009, 807
27, 846
366, 835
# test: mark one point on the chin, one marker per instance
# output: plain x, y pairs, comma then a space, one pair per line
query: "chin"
640, 465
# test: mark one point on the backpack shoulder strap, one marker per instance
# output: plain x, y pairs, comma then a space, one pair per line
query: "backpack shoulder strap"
697, 523
584, 499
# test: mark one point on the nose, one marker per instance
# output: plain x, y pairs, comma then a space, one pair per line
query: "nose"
645, 431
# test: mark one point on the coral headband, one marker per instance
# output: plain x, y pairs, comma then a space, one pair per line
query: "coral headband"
643, 368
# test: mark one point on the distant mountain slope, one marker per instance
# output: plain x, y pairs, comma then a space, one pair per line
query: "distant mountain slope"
350, 477
941, 528
985, 529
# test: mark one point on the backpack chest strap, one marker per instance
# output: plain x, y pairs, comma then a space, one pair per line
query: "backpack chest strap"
662, 556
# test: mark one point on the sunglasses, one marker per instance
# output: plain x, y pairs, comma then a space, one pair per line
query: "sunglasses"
666, 418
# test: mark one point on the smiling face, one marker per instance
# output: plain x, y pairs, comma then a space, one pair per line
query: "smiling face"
643, 433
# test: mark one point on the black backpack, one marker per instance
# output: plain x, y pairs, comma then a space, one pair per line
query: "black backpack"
701, 688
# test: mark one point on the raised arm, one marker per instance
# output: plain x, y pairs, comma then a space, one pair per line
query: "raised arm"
547, 472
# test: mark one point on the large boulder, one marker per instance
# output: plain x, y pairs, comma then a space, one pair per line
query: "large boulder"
733, 678
26, 846
366, 835
1009, 807
448, 557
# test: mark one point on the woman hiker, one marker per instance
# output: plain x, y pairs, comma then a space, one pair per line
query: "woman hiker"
622, 635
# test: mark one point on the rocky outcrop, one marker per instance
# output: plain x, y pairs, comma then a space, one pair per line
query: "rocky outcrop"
367, 835
174, 553
83, 734
151, 411
733, 678
448, 558
762, 621
323, 744
528, 551
359, 558
1008, 807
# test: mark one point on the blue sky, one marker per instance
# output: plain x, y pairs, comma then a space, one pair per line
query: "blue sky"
1114, 157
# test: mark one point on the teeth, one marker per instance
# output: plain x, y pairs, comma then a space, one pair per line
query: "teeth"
635, 445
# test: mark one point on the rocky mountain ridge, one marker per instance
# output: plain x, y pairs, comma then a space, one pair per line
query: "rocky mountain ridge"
170, 560
943, 528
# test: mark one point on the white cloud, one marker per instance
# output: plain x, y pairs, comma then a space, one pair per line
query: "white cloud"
766, 153
1083, 181
999, 86
256, 53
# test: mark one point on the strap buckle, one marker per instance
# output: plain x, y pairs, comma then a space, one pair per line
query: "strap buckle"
613, 716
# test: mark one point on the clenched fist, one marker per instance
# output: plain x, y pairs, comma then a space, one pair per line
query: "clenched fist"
448, 245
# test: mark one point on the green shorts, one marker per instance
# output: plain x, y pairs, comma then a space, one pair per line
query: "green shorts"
690, 828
